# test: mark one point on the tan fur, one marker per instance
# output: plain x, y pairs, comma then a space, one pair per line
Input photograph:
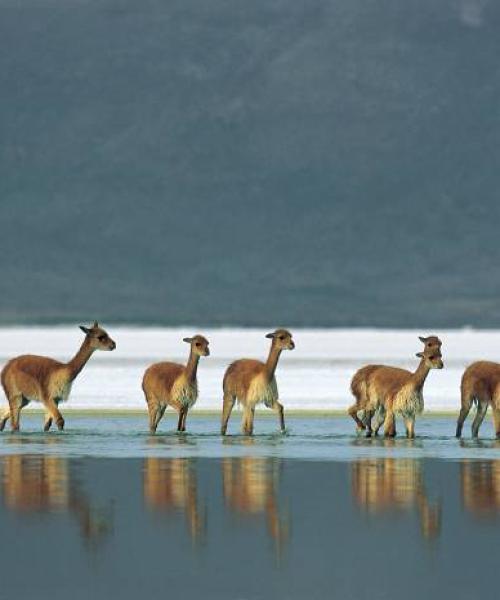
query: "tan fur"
30, 378
246, 379
171, 384
359, 383
480, 384
388, 391
252, 382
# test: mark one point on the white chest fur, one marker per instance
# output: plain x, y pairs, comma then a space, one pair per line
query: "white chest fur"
184, 392
263, 391
60, 385
409, 401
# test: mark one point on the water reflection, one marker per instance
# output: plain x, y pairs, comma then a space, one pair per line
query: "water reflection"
170, 484
251, 488
49, 484
390, 485
481, 487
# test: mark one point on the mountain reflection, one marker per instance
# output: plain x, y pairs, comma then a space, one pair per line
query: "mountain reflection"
251, 487
170, 484
481, 487
48, 484
391, 485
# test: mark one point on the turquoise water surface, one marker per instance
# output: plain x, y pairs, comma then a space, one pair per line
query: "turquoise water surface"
323, 437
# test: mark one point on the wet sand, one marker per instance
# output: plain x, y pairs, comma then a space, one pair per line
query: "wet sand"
396, 520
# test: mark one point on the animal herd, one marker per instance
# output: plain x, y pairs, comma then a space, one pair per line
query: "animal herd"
381, 392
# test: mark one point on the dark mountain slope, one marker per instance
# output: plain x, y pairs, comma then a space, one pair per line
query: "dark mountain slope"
295, 162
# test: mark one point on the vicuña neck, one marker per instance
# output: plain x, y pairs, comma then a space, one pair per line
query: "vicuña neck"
272, 361
192, 366
80, 359
420, 375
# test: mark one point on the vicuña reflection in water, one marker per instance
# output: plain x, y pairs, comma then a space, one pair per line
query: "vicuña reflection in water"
481, 487
170, 484
390, 485
48, 484
251, 487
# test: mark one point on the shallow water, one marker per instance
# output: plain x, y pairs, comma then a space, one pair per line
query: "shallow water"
308, 438
104, 510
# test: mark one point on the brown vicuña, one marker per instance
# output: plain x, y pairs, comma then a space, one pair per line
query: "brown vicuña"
252, 382
391, 390
480, 384
31, 378
171, 384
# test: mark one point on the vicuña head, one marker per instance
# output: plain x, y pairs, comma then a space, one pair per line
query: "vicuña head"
199, 345
282, 339
431, 342
432, 358
97, 337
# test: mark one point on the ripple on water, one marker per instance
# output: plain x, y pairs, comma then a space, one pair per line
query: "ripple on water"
312, 438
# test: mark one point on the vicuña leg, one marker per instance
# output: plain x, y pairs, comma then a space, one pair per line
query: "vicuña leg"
227, 407
390, 424
496, 422
51, 407
248, 416
153, 410
48, 417
353, 412
15, 403
368, 422
47, 424
464, 411
156, 412
181, 424
410, 427
482, 407
379, 420
158, 415
4, 418
281, 415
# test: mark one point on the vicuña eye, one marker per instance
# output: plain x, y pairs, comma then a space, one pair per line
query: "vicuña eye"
101, 338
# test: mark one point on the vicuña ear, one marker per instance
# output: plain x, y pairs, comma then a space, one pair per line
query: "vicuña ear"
270, 336
96, 324
422, 339
420, 354
85, 330
187, 340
